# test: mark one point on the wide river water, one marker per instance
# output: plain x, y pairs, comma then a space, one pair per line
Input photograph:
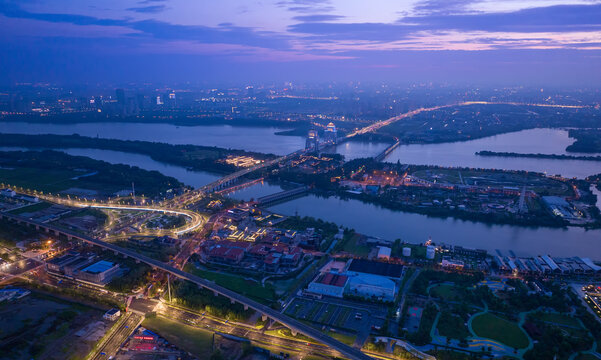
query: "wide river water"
260, 139
462, 154
367, 218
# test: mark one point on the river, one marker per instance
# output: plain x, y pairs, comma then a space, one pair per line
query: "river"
195, 179
416, 228
259, 139
367, 218
462, 154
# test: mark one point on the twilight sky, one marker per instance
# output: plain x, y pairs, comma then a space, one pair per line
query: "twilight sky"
527, 42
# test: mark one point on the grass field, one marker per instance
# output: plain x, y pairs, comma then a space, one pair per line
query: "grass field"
188, 338
492, 327
31, 208
559, 319
452, 326
344, 338
351, 245
238, 284
446, 292
587, 357
47, 180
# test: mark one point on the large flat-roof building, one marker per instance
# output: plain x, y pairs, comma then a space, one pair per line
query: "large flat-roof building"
362, 266
372, 286
373, 279
101, 272
329, 284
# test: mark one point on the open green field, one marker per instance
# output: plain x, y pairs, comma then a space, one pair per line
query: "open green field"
46, 180
446, 292
587, 357
194, 340
344, 338
31, 208
493, 327
452, 326
238, 284
559, 319
351, 245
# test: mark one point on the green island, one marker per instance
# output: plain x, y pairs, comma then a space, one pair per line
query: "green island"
196, 157
538, 156
587, 141
55, 171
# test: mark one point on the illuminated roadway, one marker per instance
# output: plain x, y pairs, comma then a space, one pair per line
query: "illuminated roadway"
380, 124
295, 325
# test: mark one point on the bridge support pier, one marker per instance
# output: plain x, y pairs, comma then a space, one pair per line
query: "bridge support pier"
69, 237
37, 227
137, 261
245, 307
215, 293
293, 332
263, 317
116, 252
232, 301
56, 232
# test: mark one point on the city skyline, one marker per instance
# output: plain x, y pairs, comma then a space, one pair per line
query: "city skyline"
534, 43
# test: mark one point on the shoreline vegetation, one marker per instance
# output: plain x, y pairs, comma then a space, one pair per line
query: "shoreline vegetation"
587, 141
55, 171
538, 156
194, 157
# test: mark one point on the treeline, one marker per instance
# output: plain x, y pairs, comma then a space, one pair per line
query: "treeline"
190, 156
538, 156
587, 141
151, 117
191, 296
118, 175
135, 276
429, 277
389, 201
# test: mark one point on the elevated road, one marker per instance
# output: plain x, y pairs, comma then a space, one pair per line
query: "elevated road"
196, 220
380, 124
228, 179
292, 324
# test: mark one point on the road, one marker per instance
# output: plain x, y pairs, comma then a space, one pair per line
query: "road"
257, 336
380, 124
196, 219
287, 321
117, 336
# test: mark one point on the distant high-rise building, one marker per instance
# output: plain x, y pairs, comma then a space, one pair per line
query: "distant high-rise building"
140, 100
159, 102
120, 96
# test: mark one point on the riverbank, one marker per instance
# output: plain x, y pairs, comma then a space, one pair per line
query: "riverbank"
388, 225
195, 157
488, 196
54, 171
538, 156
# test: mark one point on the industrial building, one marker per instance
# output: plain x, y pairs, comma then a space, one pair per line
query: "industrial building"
362, 266
86, 268
100, 273
372, 286
329, 284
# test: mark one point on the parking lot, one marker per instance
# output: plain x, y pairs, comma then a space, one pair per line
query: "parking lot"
339, 314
